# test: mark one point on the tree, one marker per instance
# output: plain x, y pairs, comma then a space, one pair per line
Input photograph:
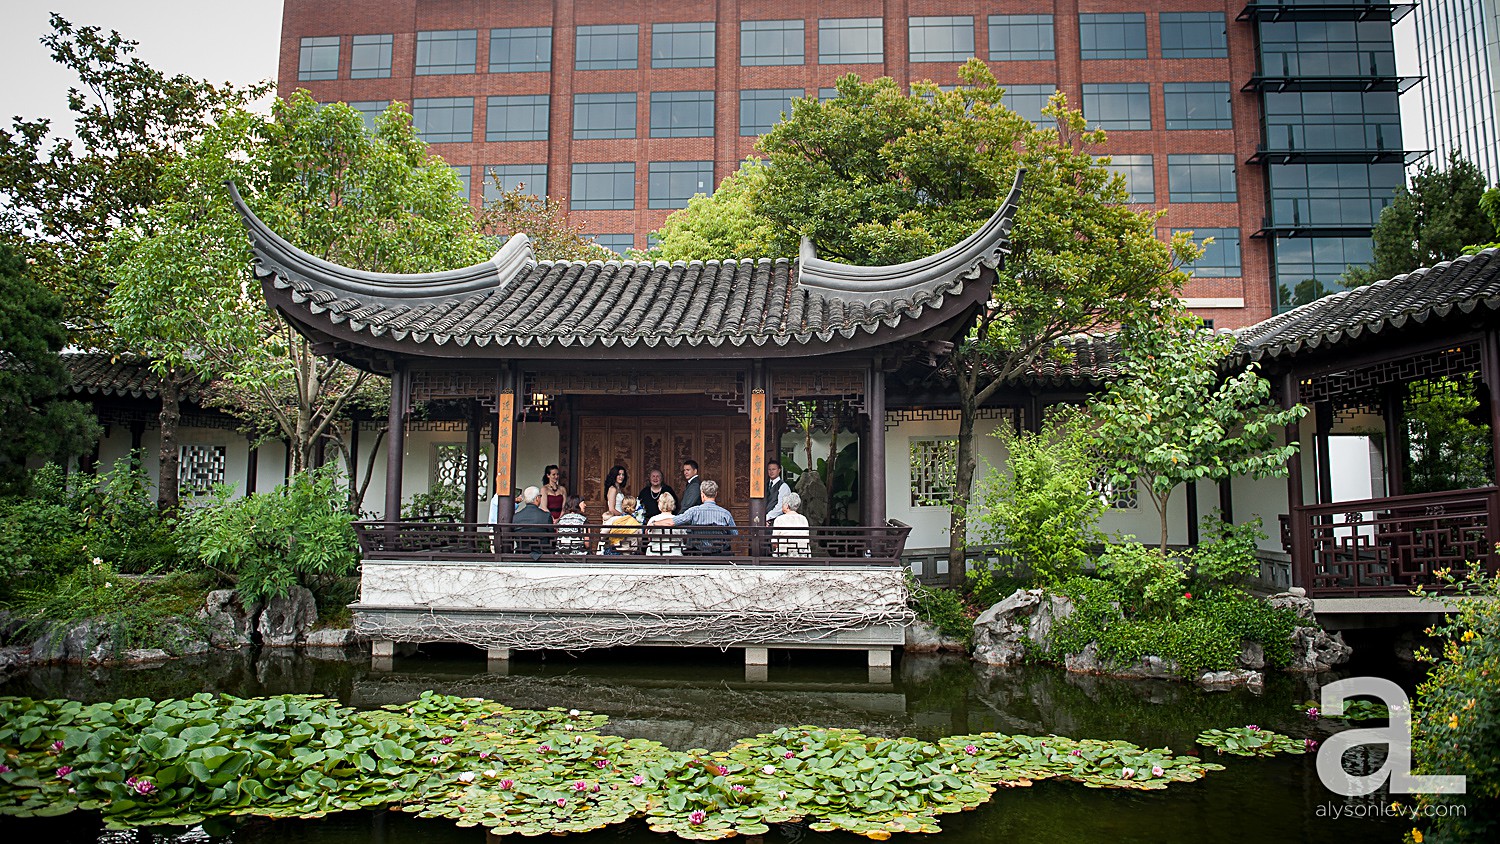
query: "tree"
184, 291
723, 225
554, 237
1429, 223
34, 419
1174, 416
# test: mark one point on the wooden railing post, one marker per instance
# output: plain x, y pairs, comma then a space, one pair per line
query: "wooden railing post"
1491, 561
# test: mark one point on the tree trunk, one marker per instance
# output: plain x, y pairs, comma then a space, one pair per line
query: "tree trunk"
167, 498
958, 517
1161, 507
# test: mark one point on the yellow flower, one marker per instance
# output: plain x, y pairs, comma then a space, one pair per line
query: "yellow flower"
1469, 636
1452, 722
1469, 705
1416, 835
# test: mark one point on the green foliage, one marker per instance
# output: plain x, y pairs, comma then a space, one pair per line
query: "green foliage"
122, 523
553, 236
1174, 417
1456, 716
1354, 710
1227, 556
943, 609
1447, 448
990, 584
1151, 582
440, 501
1251, 741
178, 762
723, 225
1043, 512
34, 420
300, 534
1430, 222
153, 612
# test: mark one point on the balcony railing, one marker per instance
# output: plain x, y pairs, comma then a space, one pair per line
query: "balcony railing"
460, 542
1388, 546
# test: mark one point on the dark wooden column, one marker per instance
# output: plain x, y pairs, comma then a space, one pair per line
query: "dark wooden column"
252, 468
756, 406
874, 506
1491, 375
1301, 562
1323, 418
395, 444
353, 454
471, 464
1192, 514
1393, 414
1226, 500
505, 445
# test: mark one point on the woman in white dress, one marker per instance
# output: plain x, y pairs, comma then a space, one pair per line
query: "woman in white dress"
616, 486
791, 536
663, 537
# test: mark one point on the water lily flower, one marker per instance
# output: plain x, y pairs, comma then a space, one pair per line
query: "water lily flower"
723, 770
596, 787
781, 795
1309, 745
546, 748
580, 786
1313, 713
1156, 771
1252, 728
697, 817
144, 787
506, 785
466, 776
637, 780
4, 769
484, 754
768, 770
970, 749
561, 802
601, 763
64, 771
738, 787
434, 759
1076, 752
491, 773
788, 755
573, 713
446, 740
1128, 773
57, 746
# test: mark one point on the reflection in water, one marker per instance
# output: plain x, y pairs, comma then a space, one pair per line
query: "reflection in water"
704, 699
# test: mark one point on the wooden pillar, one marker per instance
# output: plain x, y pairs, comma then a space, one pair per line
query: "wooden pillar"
471, 465
1323, 418
1491, 373
1393, 414
354, 454
252, 469
1033, 413
1192, 514
505, 445
395, 444
137, 440
756, 407
1226, 500
874, 506
1301, 563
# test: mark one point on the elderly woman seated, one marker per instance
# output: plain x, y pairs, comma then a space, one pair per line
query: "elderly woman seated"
791, 536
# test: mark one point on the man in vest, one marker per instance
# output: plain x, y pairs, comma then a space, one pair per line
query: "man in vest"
776, 492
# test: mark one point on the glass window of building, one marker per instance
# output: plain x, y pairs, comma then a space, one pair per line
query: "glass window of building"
1333, 195
760, 109
941, 39
604, 186
1332, 120
521, 50
463, 173
772, 43
1327, 48
826, 94
446, 52
682, 44
1118, 105
370, 110
1221, 256
443, 119
608, 47
1112, 36
604, 115
670, 184
499, 178
370, 57
682, 114
1022, 38
617, 243
1139, 173
1029, 100
1197, 105
851, 41
1308, 268
1193, 35
521, 118
318, 59
1201, 178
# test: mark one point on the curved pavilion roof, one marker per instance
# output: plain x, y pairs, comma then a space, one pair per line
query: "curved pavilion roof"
516, 306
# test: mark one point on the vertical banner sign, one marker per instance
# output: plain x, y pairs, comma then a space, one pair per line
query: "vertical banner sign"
504, 444
757, 443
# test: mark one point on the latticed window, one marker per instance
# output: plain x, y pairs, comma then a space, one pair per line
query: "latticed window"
1116, 496
934, 470
200, 467
449, 463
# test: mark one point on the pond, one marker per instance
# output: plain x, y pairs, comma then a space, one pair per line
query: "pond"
688, 699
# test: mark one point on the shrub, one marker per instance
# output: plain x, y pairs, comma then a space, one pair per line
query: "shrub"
141, 612
122, 523
1227, 556
301, 533
1151, 583
442, 501
943, 609
1456, 718
1043, 512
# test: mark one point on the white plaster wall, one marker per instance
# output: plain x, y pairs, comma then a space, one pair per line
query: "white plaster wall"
929, 524
115, 447
1265, 498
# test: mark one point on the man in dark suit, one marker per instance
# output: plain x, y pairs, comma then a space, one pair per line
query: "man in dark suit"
532, 519
692, 494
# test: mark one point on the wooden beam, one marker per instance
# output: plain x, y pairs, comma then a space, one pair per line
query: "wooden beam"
471, 464
874, 505
395, 445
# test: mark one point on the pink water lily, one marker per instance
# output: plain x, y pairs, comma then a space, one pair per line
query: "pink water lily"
144, 787
738, 787
484, 754
1252, 728
697, 817
723, 770
970, 749
601, 763
57, 746
434, 759
507, 785
446, 740
1076, 752
561, 802
1313, 713
64, 771
4, 769
1156, 771
637, 780
788, 755
546, 748
1128, 773
580, 786
1309, 745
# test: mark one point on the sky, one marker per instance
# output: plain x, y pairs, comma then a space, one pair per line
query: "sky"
219, 41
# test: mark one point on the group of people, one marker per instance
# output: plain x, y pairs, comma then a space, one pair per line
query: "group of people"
707, 526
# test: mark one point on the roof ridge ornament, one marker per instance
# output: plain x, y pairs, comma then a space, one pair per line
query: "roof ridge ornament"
275, 255
941, 272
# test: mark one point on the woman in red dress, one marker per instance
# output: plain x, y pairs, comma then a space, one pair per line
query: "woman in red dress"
553, 490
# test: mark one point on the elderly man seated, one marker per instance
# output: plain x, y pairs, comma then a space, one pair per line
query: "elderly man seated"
714, 525
532, 519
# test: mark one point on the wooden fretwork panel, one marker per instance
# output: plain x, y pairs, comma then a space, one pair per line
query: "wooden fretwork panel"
720, 444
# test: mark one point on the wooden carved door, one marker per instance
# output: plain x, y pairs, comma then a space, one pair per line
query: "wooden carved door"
720, 444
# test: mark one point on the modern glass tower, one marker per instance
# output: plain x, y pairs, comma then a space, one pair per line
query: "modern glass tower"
1458, 44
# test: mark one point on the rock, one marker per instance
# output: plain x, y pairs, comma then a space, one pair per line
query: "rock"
87, 641
1296, 600
1024, 620
11, 626
184, 639
1252, 655
1224, 680
13, 660
1315, 649
285, 620
1409, 642
231, 623
140, 655
341, 637
1089, 661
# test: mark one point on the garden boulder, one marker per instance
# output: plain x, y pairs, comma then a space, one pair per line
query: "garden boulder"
1215, 681
923, 637
285, 620
338, 637
230, 621
1001, 633
1090, 661
1313, 648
